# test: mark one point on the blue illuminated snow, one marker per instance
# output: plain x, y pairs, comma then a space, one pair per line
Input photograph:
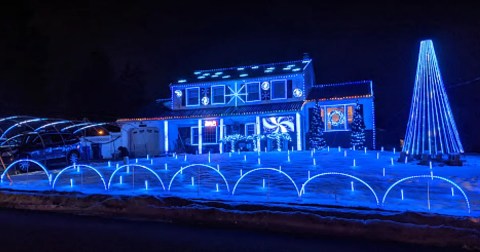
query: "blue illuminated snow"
238, 177
77, 169
132, 166
15, 163
198, 165
265, 169
467, 202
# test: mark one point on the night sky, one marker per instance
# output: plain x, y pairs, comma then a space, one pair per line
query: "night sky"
106, 59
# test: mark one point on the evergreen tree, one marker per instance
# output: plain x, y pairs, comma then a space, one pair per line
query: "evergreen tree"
315, 134
358, 129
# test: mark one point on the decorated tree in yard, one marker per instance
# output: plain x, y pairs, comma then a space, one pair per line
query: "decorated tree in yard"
279, 137
232, 139
254, 139
315, 134
358, 129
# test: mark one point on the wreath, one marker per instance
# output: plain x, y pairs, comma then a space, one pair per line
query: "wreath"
341, 118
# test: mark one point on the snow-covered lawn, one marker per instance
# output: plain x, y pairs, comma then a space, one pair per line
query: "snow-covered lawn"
320, 178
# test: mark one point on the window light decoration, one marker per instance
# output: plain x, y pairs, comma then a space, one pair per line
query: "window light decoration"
178, 93
297, 92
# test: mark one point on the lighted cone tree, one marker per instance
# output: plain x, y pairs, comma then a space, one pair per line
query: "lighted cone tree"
358, 129
316, 138
431, 129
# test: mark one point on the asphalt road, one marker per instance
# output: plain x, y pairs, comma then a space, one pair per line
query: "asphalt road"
40, 231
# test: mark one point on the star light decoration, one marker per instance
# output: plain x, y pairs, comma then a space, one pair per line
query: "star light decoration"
235, 94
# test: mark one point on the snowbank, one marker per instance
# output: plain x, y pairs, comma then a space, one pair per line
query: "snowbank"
313, 219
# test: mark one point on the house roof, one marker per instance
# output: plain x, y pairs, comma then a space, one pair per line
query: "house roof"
223, 111
345, 90
243, 72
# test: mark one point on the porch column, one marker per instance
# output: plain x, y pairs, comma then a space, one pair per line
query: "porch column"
299, 133
221, 136
200, 144
165, 135
257, 131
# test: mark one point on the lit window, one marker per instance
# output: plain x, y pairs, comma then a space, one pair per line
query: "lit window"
209, 135
249, 129
218, 94
278, 89
193, 96
253, 91
350, 110
336, 118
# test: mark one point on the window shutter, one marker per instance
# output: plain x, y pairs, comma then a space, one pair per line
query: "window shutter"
183, 97
289, 89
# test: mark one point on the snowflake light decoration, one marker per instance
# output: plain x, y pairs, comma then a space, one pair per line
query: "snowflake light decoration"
265, 95
205, 100
179, 93
297, 92
236, 94
265, 85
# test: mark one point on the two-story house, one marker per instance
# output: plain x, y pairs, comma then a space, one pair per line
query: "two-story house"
261, 107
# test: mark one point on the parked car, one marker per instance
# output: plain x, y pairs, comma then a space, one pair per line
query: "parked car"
45, 147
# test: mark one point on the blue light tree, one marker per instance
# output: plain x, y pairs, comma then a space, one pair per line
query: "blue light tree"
431, 129
316, 139
357, 138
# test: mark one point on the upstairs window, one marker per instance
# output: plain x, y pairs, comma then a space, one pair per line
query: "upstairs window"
218, 94
253, 91
279, 89
193, 96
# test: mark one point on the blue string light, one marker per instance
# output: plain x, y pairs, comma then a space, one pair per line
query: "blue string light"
431, 127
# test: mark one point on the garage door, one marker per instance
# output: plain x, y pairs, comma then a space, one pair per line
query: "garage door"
144, 141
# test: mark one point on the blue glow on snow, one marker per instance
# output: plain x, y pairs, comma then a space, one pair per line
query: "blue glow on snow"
337, 179
75, 168
265, 169
198, 165
127, 167
340, 174
431, 176
24, 160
